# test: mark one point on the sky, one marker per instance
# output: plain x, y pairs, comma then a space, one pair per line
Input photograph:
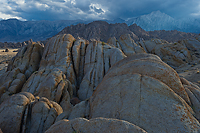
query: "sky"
27, 10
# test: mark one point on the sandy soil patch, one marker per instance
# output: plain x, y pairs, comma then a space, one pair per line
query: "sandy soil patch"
5, 57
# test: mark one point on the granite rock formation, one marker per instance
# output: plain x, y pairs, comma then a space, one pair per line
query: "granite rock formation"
72, 84
19, 69
25, 113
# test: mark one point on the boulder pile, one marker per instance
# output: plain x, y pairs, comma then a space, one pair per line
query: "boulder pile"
73, 85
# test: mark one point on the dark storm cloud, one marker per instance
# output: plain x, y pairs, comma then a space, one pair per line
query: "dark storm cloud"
95, 9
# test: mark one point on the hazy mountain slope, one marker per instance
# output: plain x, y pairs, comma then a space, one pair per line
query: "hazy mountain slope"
13, 30
161, 21
154, 21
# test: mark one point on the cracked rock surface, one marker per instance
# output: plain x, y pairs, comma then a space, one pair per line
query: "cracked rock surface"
27, 59
71, 67
174, 54
19, 69
150, 65
144, 101
80, 81
96, 125
126, 44
98, 59
23, 112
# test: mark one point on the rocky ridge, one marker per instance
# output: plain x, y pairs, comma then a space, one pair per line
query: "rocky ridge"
102, 31
71, 84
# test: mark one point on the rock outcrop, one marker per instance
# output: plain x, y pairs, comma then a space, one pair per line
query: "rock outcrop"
152, 66
193, 45
98, 59
193, 92
11, 83
96, 125
174, 54
95, 87
70, 66
142, 99
126, 44
27, 59
55, 78
19, 69
23, 112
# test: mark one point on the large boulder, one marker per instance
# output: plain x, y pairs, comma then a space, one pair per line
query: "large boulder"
143, 101
11, 83
24, 113
150, 65
51, 84
12, 112
96, 125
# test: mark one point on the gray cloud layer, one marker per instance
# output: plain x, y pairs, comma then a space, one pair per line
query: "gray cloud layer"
94, 9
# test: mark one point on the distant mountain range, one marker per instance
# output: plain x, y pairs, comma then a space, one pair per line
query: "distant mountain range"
161, 21
101, 30
13, 30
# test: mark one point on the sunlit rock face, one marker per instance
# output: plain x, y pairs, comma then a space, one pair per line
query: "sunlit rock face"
20, 68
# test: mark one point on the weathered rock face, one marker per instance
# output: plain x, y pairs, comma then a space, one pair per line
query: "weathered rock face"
56, 75
133, 93
193, 45
80, 110
140, 88
97, 125
126, 44
27, 59
173, 54
98, 59
11, 83
151, 66
12, 111
51, 84
24, 113
70, 65
193, 92
19, 69
144, 101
